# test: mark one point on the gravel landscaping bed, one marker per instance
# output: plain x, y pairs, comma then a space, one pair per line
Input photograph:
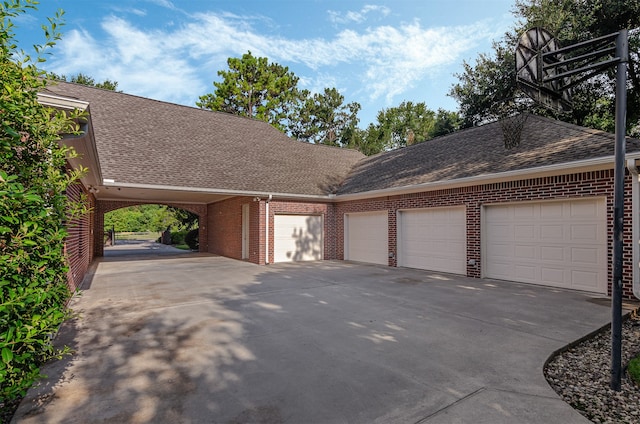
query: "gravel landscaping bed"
581, 376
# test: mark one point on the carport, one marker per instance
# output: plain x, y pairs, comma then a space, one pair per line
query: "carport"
203, 338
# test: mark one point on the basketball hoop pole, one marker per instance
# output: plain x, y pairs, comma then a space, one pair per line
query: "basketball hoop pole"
542, 70
622, 54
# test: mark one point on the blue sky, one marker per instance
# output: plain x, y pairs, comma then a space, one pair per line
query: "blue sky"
377, 53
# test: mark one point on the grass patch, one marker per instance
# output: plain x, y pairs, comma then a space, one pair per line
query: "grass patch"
634, 369
182, 246
140, 235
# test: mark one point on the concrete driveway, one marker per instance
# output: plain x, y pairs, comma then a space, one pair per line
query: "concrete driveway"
206, 339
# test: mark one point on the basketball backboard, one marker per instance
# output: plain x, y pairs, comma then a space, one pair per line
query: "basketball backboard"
535, 71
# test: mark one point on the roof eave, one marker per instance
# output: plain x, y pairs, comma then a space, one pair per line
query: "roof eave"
83, 144
107, 183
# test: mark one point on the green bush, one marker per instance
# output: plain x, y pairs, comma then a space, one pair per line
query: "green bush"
177, 237
191, 239
634, 369
33, 210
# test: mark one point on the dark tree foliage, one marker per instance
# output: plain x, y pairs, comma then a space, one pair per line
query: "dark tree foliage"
83, 79
186, 220
403, 125
324, 118
484, 86
254, 88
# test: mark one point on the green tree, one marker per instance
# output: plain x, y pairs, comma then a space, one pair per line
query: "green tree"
369, 141
255, 88
406, 124
446, 123
324, 118
403, 125
485, 86
144, 218
481, 87
186, 220
83, 79
400, 126
33, 208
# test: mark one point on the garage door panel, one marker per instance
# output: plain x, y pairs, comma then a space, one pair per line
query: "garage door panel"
453, 248
524, 232
587, 232
584, 255
562, 244
551, 210
297, 238
525, 272
552, 253
552, 232
433, 239
524, 211
500, 270
585, 280
552, 276
502, 251
525, 252
584, 210
367, 237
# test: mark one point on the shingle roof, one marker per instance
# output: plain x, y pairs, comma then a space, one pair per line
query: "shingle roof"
144, 141
149, 142
480, 151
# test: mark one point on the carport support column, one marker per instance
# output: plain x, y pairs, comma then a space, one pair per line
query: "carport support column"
261, 236
392, 231
266, 231
203, 237
98, 230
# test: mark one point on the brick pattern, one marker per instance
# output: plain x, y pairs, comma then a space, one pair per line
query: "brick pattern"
225, 228
221, 222
571, 186
78, 247
104, 206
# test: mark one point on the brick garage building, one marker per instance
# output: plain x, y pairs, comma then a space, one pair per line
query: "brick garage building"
540, 212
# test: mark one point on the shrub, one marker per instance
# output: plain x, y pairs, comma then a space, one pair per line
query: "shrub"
177, 237
634, 369
33, 209
191, 239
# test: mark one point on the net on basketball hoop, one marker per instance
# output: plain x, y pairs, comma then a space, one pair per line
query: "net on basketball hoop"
512, 126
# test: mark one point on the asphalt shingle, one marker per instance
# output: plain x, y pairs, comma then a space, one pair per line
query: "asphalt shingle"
480, 151
144, 141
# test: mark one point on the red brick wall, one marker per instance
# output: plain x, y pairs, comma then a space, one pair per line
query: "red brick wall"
573, 186
78, 245
104, 206
225, 228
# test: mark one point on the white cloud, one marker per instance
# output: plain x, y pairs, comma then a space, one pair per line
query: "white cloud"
164, 3
144, 67
178, 64
356, 16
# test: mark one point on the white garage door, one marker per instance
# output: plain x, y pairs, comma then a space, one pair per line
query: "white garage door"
433, 239
560, 244
297, 238
367, 237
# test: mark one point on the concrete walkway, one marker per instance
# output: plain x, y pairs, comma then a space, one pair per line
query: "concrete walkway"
205, 339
